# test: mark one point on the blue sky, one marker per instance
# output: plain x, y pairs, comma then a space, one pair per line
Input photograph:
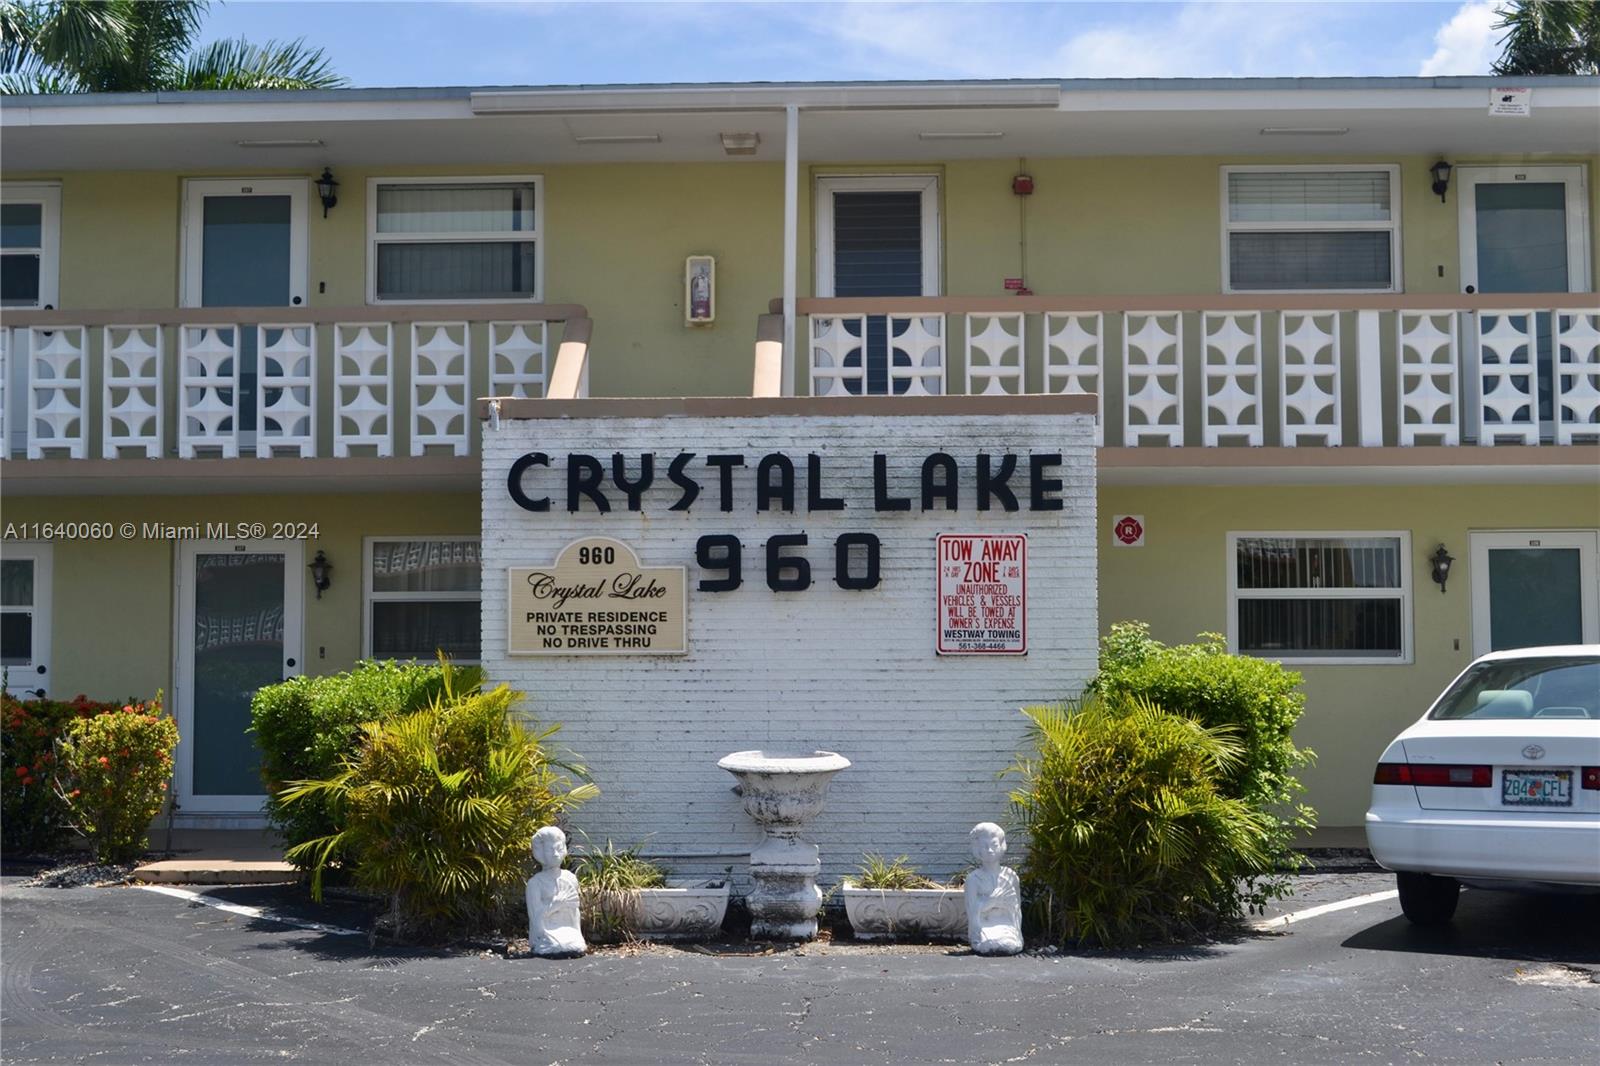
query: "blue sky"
472, 42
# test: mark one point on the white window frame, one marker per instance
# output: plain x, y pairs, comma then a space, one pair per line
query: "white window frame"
1403, 594
926, 184
48, 195
1392, 226
22, 681
536, 235
369, 596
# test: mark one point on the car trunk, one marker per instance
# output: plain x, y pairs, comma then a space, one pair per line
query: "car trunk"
1534, 765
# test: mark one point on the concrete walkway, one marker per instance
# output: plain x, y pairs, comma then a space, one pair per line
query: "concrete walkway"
218, 857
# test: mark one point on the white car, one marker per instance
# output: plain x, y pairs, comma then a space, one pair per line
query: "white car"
1497, 786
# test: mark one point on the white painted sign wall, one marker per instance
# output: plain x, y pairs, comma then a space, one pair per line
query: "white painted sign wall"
846, 670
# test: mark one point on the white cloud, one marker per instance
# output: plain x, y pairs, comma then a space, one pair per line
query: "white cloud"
1467, 44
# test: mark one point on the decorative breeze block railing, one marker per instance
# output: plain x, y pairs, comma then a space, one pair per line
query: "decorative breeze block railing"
58, 397
1231, 373
208, 389
1310, 404
1152, 377
518, 359
1427, 379
363, 388
1575, 374
1508, 377
130, 389
996, 355
1074, 358
286, 389
441, 393
841, 356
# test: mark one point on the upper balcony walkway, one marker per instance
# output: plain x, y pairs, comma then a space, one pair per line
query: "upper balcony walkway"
379, 389
1368, 371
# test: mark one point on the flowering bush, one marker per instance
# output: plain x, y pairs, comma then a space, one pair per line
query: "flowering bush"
33, 817
113, 775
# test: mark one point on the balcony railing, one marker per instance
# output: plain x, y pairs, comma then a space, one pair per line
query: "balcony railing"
237, 381
1227, 370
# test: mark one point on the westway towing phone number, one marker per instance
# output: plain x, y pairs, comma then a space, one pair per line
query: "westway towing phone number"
160, 531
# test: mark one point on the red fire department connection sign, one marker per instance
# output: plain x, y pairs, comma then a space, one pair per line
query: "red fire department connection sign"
982, 594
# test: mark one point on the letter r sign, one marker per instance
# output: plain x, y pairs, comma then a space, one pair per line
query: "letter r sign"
1127, 530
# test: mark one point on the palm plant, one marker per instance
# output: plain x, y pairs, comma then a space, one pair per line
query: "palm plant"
437, 808
1549, 37
78, 46
1131, 838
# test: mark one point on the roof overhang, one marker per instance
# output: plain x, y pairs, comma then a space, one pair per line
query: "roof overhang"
840, 122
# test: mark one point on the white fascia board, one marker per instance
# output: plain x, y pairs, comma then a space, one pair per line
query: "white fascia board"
242, 113
1471, 98
769, 98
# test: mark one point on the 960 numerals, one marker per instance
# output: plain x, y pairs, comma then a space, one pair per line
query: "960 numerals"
855, 562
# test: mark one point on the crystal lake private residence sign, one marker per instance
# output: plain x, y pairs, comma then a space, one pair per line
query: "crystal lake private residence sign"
890, 578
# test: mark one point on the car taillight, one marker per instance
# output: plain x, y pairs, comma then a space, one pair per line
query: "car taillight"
1591, 778
1432, 775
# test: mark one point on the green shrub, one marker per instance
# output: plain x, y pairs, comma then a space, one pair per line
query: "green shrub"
609, 880
1131, 837
33, 816
436, 809
113, 776
877, 872
307, 725
1258, 697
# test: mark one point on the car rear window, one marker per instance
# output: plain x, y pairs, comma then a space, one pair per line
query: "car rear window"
1549, 687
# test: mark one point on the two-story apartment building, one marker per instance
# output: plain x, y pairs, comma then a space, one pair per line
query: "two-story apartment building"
1337, 329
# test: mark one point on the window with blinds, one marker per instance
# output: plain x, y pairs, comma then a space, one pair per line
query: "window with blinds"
1311, 229
422, 597
1317, 598
456, 240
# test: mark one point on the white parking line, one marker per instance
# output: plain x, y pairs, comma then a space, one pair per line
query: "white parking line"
250, 912
1285, 920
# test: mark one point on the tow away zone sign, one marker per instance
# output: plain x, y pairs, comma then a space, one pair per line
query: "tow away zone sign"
982, 594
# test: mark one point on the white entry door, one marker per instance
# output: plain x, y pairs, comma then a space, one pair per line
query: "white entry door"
25, 618
878, 235
240, 605
1525, 229
1534, 588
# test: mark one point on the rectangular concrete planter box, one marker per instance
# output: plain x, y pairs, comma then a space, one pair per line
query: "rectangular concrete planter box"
906, 914
690, 910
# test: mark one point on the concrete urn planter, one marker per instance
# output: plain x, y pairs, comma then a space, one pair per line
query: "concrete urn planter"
686, 910
906, 913
781, 793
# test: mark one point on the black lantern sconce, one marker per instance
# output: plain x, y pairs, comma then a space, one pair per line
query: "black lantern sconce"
1441, 178
320, 569
1441, 561
327, 189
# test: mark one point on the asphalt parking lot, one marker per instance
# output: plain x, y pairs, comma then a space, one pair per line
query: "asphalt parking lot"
124, 975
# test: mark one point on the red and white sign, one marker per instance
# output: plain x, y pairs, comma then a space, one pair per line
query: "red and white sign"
982, 594
1127, 530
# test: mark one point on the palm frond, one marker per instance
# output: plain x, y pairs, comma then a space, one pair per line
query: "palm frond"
239, 64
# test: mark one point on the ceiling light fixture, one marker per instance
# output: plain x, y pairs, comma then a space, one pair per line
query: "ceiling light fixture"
960, 135
740, 143
1304, 131
617, 138
281, 142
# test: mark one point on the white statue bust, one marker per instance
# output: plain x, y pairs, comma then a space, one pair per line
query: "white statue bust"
554, 928
993, 896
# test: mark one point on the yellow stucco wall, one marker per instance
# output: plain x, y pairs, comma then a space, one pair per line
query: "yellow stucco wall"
616, 236
1178, 583
112, 600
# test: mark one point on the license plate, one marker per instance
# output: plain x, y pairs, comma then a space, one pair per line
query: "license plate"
1536, 788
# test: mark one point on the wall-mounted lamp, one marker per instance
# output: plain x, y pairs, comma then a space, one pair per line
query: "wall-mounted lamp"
327, 189
320, 569
1441, 561
1441, 178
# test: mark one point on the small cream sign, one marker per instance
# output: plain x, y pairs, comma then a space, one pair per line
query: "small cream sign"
597, 599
